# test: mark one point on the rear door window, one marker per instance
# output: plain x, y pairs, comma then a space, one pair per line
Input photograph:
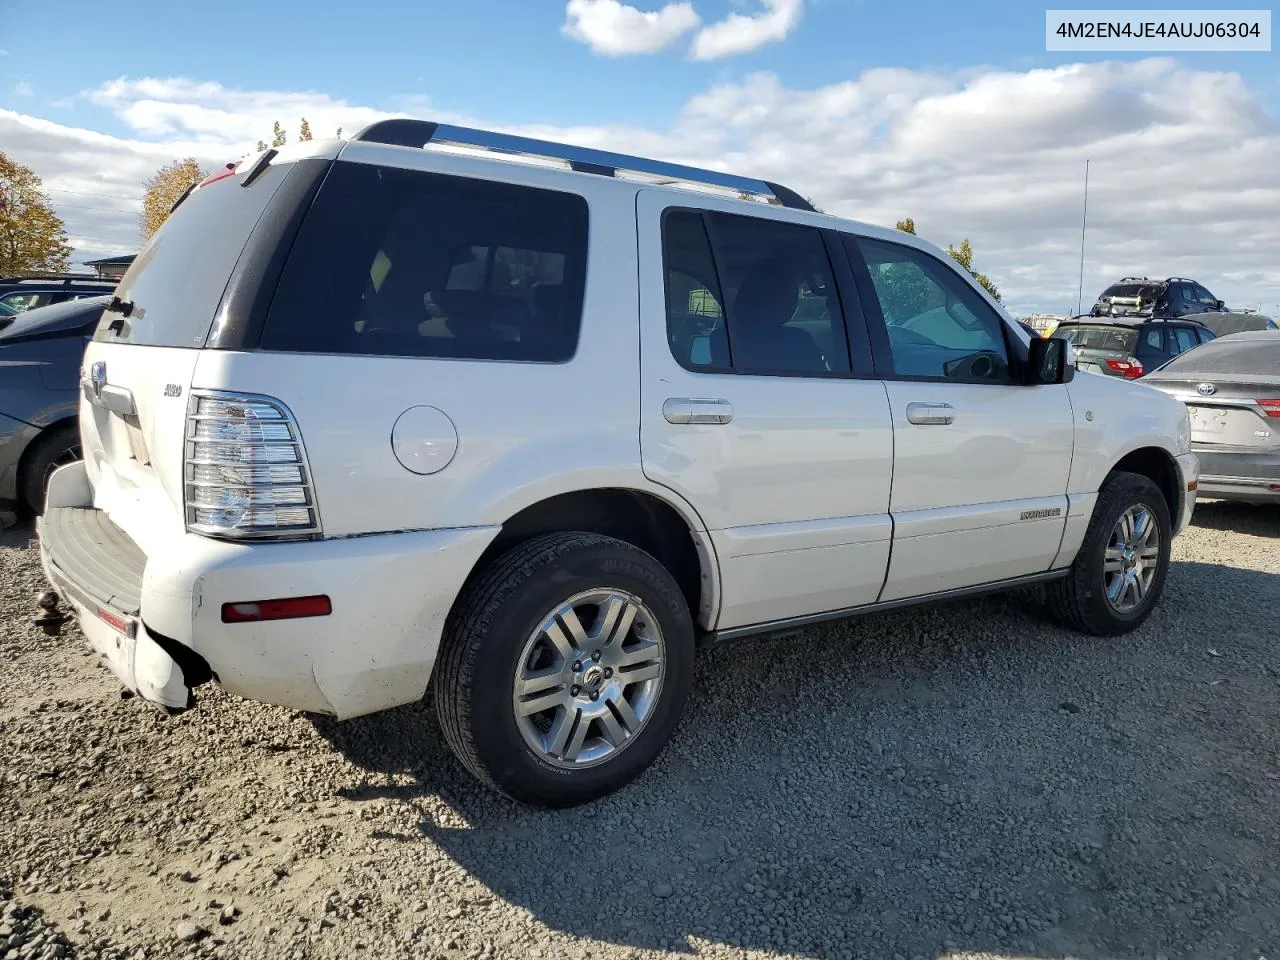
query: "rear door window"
396, 262
1186, 338
1153, 338
176, 283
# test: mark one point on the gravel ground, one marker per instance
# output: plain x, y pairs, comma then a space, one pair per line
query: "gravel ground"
963, 781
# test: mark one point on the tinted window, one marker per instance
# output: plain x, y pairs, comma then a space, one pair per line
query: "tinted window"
1254, 358
1101, 336
764, 303
1186, 338
1205, 334
1205, 297
1152, 337
405, 263
938, 325
696, 326
176, 281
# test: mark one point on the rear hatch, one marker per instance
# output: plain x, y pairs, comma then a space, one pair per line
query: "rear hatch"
1102, 347
1128, 300
217, 247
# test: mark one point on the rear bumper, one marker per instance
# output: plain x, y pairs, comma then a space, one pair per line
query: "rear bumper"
390, 595
1229, 475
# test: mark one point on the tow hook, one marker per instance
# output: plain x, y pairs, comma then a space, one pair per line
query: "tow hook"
50, 618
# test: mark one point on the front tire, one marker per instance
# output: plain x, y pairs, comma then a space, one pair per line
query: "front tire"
564, 668
1119, 573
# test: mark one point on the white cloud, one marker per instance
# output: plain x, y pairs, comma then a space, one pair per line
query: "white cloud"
739, 33
1181, 178
23, 89
619, 29
209, 112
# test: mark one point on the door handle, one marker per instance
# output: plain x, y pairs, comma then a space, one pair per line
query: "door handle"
927, 414
693, 410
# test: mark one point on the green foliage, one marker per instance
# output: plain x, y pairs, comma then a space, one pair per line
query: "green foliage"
962, 256
304, 130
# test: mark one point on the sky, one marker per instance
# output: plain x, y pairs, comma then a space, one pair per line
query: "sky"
952, 114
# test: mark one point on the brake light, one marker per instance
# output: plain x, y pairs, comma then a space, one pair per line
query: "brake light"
288, 608
1271, 408
228, 171
1130, 369
245, 470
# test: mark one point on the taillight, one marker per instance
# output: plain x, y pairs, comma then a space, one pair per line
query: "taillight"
1129, 369
245, 469
1271, 408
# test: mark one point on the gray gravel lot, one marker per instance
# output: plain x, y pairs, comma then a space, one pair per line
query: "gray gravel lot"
961, 781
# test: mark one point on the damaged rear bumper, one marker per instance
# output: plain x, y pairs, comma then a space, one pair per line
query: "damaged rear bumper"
156, 618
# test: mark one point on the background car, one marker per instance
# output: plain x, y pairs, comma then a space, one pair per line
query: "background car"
1223, 324
1129, 347
19, 294
1232, 391
40, 353
1143, 297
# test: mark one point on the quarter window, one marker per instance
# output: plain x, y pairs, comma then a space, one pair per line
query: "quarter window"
1186, 338
405, 263
938, 326
751, 295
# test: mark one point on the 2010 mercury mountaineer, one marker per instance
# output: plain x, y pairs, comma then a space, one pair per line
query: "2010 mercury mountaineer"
529, 423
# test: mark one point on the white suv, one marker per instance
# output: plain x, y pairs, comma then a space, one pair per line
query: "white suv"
531, 427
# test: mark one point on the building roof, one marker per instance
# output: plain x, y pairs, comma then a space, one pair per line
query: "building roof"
111, 261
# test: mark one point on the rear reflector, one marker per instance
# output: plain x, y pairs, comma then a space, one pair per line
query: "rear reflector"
1271, 408
288, 608
1193, 486
117, 622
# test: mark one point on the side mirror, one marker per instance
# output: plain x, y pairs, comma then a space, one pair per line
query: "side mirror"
1051, 360
1220, 304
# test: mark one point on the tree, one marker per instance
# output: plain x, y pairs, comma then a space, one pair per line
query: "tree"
279, 137
33, 239
163, 190
339, 133
964, 257
304, 131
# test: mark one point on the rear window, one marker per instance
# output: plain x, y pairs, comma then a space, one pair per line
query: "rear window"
1250, 358
1146, 291
398, 262
177, 281
1099, 336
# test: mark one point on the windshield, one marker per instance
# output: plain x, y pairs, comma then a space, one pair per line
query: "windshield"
7, 311
1145, 291
1099, 336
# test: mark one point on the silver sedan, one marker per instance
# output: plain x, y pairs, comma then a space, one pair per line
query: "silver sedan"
1231, 387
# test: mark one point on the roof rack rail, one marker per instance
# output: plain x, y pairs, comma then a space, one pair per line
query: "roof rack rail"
1179, 280
418, 133
67, 278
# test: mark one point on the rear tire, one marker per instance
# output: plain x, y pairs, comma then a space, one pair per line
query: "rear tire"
52, 449
1108, 590
594, 628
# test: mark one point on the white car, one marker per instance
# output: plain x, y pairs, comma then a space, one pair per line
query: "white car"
531, 423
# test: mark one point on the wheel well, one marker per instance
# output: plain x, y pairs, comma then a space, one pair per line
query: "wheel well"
637, 518
29, 452
1158, 467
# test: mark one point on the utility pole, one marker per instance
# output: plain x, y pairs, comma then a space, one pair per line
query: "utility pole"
1084, 224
